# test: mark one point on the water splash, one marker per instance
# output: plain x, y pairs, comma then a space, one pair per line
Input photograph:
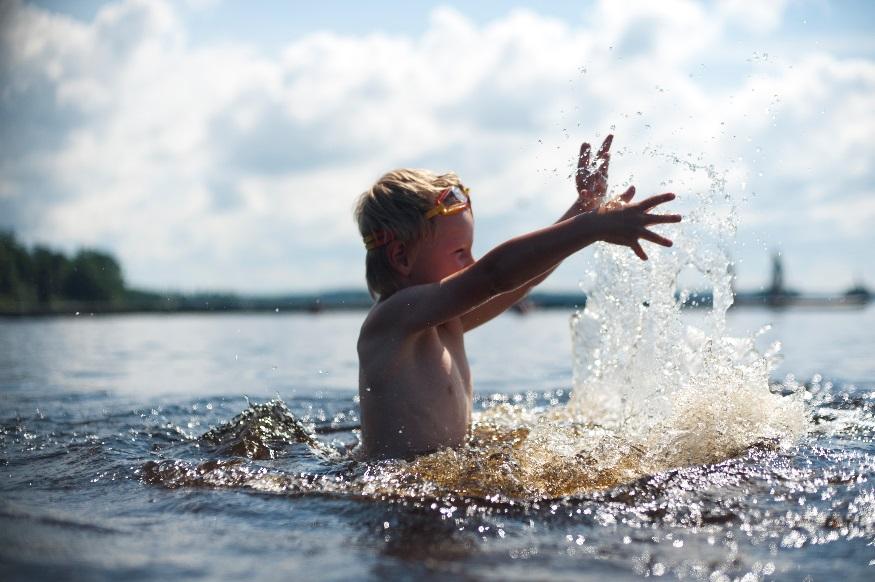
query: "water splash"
262, 431
685, 394
652, 393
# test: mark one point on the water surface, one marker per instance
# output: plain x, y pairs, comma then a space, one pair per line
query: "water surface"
107, 472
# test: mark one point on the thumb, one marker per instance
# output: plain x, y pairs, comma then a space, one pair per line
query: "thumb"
628, 194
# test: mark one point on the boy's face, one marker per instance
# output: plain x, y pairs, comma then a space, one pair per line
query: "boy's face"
445, 253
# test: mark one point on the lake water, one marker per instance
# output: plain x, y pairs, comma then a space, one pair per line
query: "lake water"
110, 468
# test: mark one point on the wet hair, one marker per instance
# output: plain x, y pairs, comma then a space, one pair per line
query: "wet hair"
397, 204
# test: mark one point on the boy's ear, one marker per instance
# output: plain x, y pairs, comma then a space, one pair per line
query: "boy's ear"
399, 256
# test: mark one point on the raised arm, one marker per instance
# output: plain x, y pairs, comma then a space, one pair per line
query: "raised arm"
519, 260
591, 182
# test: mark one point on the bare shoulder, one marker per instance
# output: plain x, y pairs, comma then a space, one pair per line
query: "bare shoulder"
388, 315
417, 308
388, 322
381, 325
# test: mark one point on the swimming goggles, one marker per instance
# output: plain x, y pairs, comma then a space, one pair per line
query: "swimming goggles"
453, 200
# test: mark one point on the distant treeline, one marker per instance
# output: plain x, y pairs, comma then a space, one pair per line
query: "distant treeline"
42, 279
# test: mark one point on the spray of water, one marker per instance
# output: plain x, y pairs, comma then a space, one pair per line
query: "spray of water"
651, 391
683, 394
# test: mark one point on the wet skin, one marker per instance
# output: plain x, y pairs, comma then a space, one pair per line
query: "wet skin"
416, 390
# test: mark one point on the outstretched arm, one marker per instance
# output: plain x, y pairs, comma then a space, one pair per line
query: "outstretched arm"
514, 263
591, 180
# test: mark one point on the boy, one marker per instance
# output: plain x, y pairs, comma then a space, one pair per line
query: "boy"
414, 382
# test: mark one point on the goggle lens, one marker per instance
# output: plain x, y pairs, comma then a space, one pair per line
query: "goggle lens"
451, 201
456, 196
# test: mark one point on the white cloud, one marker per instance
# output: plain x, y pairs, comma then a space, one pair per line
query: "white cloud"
761, 17
188, 159
855, 217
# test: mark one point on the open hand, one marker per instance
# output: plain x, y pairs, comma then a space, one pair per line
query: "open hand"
626, 223
591, 178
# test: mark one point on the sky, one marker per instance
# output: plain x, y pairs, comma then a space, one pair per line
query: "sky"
218, 145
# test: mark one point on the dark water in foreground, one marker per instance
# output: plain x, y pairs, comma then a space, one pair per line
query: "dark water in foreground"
121, 458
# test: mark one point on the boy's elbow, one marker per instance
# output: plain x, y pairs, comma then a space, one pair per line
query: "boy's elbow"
495, 279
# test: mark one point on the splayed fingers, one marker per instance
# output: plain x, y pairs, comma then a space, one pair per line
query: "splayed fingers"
636, 246
655, 238
654, 201
663, 218
637, 218
604, 155
583, 163
593, 181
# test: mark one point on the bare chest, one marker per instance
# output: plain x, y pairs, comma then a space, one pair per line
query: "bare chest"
441, 353
418, 397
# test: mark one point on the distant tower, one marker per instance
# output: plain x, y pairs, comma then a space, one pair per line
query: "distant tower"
777, 287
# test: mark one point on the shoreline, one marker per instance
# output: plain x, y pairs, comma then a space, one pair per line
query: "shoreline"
359, 301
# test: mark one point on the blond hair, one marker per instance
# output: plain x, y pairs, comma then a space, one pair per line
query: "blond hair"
397, 203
